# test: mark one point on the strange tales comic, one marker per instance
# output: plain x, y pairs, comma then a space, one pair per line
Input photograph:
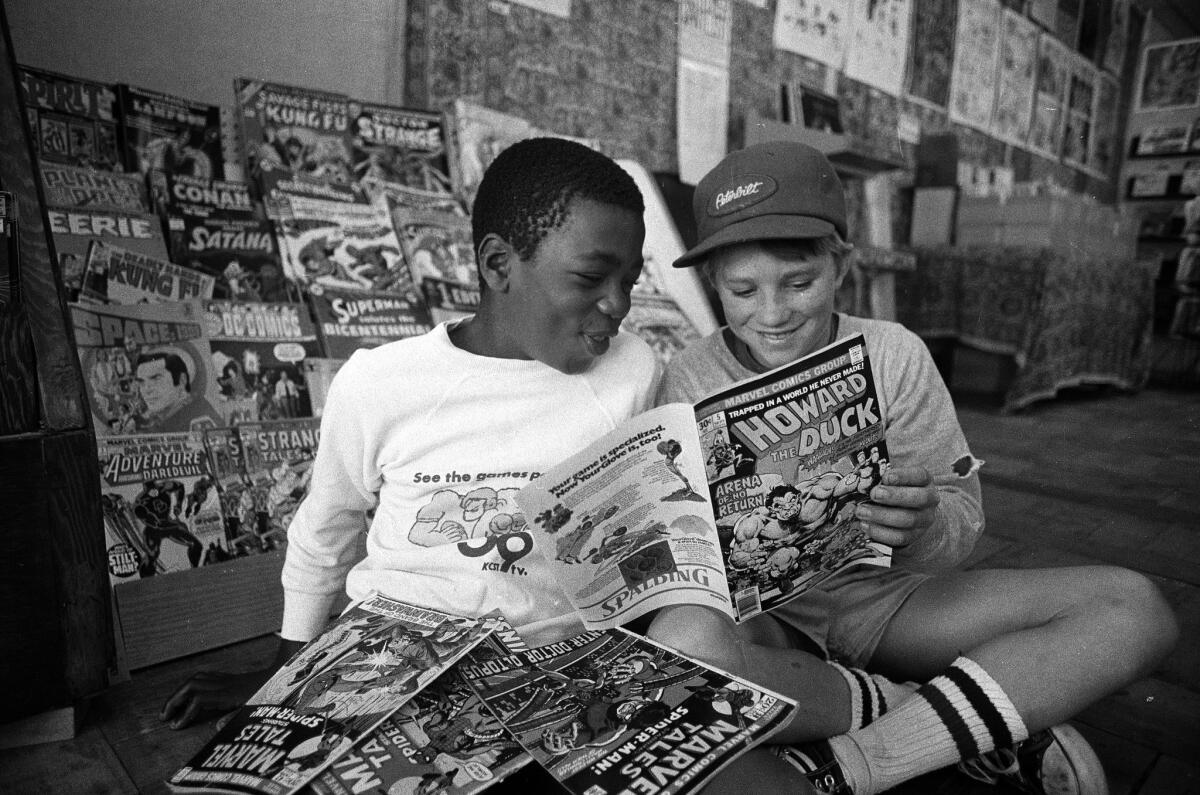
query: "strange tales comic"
277, 456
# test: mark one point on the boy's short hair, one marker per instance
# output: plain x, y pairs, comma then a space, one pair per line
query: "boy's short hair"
526, 189
789, 249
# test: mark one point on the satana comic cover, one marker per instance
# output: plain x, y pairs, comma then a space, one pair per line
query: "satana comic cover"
169, 133
161, 510
349, 320
258, 351
278, 457
71, 186
399, 145
72, 121
375, 657
612, 712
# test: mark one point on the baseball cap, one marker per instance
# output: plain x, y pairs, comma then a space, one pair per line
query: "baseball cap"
775, 190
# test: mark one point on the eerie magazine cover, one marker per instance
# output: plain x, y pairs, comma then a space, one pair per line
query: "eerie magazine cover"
258, 352
169, 133
114, 275
217, 227
372, 660
162, 512
147, 367
71, 120
399, 145
612, 712
74, 228
72, 186
348, 320
278, 457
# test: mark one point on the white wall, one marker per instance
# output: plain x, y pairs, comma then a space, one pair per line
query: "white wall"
196, 48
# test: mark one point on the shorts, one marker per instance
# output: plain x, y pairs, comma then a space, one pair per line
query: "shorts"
847, 615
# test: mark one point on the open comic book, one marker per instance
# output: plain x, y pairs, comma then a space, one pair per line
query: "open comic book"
741, 502
337, 689
612, 712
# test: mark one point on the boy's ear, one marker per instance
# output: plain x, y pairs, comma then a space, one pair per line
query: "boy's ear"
495, 257
842, 263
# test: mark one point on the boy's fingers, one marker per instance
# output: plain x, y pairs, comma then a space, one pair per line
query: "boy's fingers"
907, 476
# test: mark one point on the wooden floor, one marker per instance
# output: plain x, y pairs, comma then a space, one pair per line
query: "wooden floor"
1086, 478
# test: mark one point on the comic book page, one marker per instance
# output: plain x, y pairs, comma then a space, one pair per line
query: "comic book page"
278, 457
72, 121
626, 523
399, 145
116, 275
161, 510
72, 186
258, 352
147, 367
74, 228
349, 320
788, 456
612, 712
372, 660
169, 133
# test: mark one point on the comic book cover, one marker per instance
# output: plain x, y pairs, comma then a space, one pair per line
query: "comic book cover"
444, 740
440, 253
74, 229
147, 367
215, 226
741, 502
304, 130
73, 121
161, 510
657, 319
277, 456
349, 320
479, 134
258, 353
223, 446
612, 712
114, 275
318, 375
72, 186
169, 133
399, 145
370, 662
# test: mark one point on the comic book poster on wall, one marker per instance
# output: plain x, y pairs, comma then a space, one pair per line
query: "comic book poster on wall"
74, 229
349, 320
1015, 81
932, 55
878, 49
399, 145
169, 133
72, 186
1053, 81
1077, 123
976, 58
1116, 43
1170, 75
815, 30
72, 121
162, 512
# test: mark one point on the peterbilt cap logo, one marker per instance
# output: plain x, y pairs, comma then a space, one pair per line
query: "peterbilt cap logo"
746, 190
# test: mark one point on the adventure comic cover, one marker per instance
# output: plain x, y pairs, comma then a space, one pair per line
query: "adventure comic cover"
399, 145
147, 367
277, 456
72, 186
114, 275
349, 320
612, 712
169, 133
73, 230
71, 120
303, 130
258, 353
440, 253
741, 502
217, 227
371, 661
161, 510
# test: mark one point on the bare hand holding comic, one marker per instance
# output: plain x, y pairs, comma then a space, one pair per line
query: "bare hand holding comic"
902, 507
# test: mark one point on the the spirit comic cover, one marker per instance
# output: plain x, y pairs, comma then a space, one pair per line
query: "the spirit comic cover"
399, 145
161, 509
215, 226
612, 712
75, 228
303, 130
349, 320
278, 457
116, 275
371, 661
147, 367
72, 186
258, 352
72, 121
169, 133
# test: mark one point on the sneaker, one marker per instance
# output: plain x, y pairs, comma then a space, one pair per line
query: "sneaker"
818, 764
1054, 761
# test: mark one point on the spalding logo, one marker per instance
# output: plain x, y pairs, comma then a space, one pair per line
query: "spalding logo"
747, 190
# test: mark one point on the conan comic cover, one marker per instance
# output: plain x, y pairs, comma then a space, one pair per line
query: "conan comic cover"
741, 502
215, 226
169, 133
74, 229
340, 686
399, 145
612, 712
114, 275
349, 320
258, 352
161, 510
72, 186
278, 457
147, 367
303, 130
72, 121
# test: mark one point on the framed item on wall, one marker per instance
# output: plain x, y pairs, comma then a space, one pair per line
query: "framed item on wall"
1170, 76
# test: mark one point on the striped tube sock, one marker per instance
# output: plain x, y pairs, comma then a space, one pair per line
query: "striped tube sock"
958, 715
871, 695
